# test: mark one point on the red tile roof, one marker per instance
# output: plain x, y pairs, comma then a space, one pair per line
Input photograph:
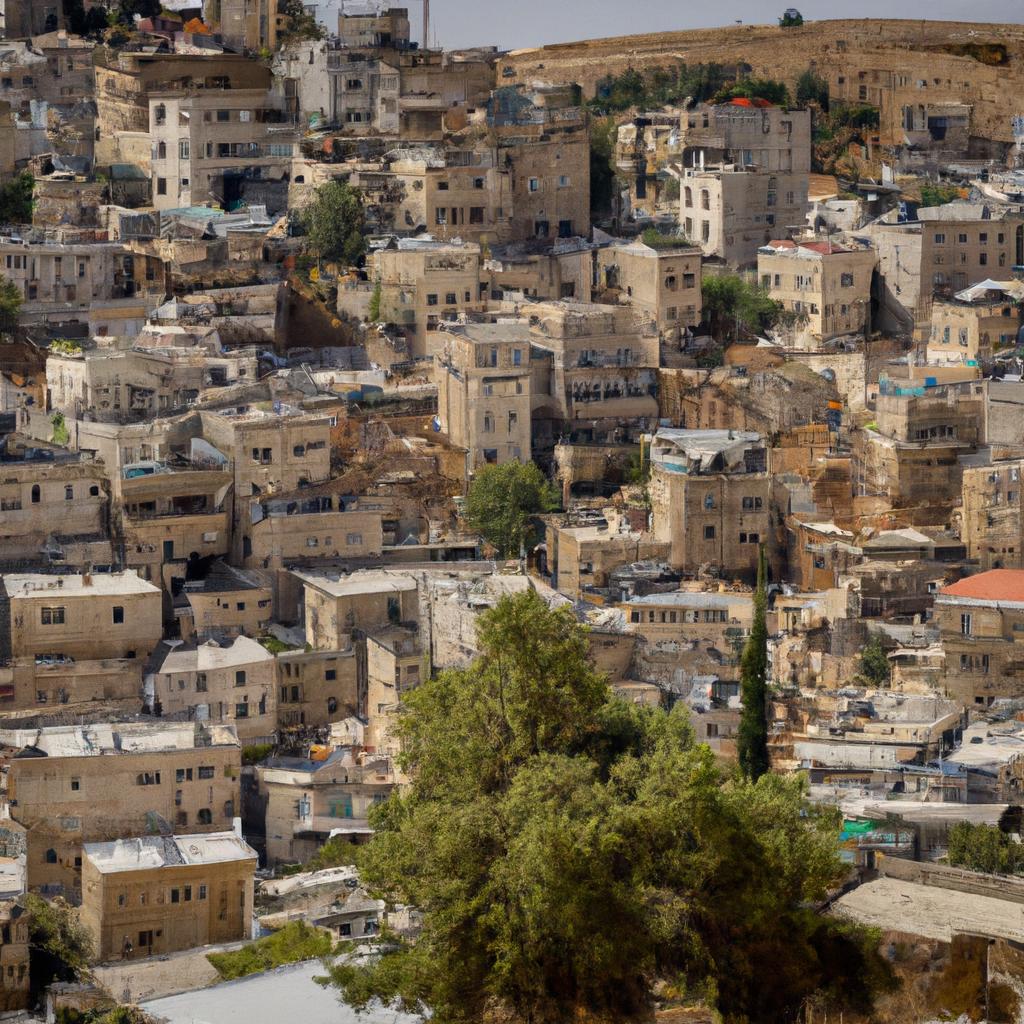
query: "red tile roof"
994, 585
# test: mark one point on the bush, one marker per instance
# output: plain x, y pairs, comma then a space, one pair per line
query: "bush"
656, 240
766, 89
938, 195
16, 199
296, 941
984, 848
256, 752
874, 665
335, 853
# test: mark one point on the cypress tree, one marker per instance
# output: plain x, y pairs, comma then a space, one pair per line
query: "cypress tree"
753, 732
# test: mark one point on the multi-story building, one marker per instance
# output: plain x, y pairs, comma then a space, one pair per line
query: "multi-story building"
81, 617
226, 602
374, 27
710, 498
316, 688
662, 284
72, 784
250, 25
972, 326
306, 802
981, 624
731, 211
484, 390
230, 683
395, 664
992, 515
14, 955
222, 147
151, 895
827, 286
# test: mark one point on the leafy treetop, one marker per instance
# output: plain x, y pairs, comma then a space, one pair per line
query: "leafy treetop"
501, 500
334, 223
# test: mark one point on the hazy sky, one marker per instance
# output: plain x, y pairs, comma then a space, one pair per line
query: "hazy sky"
516, 23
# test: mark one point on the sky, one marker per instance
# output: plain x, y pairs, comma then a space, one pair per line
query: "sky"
510, 24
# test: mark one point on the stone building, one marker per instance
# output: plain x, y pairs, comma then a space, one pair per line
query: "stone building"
992, 515
246, 25
972, 326
72, 784
316, 688
306, 802
981, 621
153, 895
827, 286
710, 498
395, 664
226, 602
223, 147
14, 956
662, 284
484, 390
226, 683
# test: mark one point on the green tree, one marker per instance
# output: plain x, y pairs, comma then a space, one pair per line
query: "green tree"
334, 223
791, 19
812, 88
938, 195
752, 740
733, 306
373, 313
299, 24
16, 199
602, 165
567, 849
984, 848
501, 500
60, 944
10, 299
874, 664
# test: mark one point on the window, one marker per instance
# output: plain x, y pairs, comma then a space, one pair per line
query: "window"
118, 615
441, 215
223, 115
202, 892
76, 784
940, 239
751, 503
563, 181
241, 711
965, 624
534, 184
476, 215
431, 300
240, 677
175, 895
353, 539
160, 114
146, 937
709, 533
183, 149
148, 779
51, 856
201, 682
161, 186
331, 674
206, 771
69, 492
709, 501
451, 298
52, 616
846, 280
35, 494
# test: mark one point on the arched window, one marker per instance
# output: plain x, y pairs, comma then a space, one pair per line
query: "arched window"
205, 816
35, 494
332, 705
161, 151
51, 856
688, 196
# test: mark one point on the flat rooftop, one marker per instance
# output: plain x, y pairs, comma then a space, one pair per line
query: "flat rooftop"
211, 655
109, 584
123, 738
153, 852
357, 583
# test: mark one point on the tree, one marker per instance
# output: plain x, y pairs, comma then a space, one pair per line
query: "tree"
984, 848
567, 849
334, 223
791, 19
938, 195
602, 165
752, 740
60, 944
733, 305
299, 24
373, 313
16, 199
812, 88
874, 664
501, 500
10, 300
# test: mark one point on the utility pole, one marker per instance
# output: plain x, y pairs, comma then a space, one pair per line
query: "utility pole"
426, 24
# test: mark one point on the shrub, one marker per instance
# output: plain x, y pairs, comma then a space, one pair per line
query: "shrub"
296, 941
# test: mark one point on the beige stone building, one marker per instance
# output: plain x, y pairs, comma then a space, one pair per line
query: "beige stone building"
221, 147
82, 617
246, 24
992, 515
154, 895
316, 688
72, 784
226, 602
395, 664
747, 133
661, 284
374, 28
335, 604
827, 286
981, 623
422, 283
225, 683
306, 802
484, 386
730, 211
973, 325
559, 268
710, 498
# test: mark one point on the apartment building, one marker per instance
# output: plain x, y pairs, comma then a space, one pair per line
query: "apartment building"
484, 390
827, 286
220, 147
395, 664
152, 895
246, 25
556, 268
230, 683
645, 148
226, 602
595, 376
424, 283
88, 616
72, 784
732, 211
710, 498
981, 625
317, 688
662, 284
63, 280
992, 515
970, 328
306, 801
372, 28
